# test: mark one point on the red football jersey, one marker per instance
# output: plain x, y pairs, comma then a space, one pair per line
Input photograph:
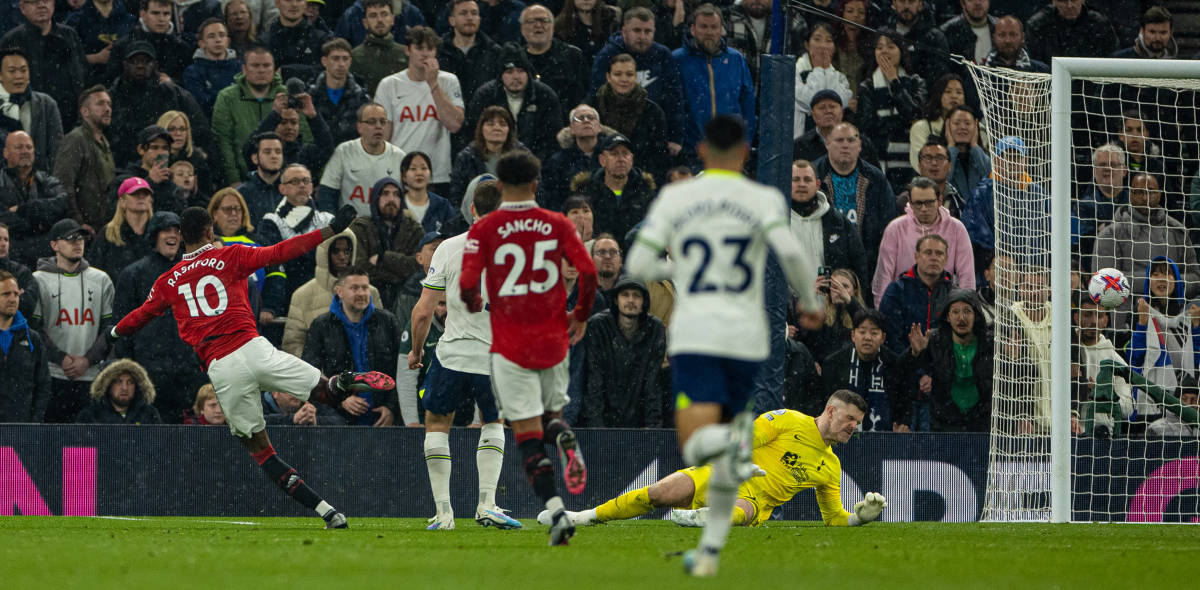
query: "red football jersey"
521, 246
207, 293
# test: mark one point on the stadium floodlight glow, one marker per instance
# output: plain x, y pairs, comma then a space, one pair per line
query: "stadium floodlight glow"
1038, 469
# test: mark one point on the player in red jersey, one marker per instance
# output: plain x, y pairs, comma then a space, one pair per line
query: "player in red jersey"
207, 293
521, 247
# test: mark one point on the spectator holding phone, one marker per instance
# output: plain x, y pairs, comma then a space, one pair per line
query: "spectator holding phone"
827, 236
152, 165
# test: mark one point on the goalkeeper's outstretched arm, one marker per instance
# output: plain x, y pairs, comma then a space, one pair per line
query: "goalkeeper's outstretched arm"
867, 510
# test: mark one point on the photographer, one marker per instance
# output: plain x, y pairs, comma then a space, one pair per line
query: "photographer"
284, 120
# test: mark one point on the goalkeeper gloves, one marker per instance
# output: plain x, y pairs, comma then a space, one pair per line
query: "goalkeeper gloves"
342, 219
868, 509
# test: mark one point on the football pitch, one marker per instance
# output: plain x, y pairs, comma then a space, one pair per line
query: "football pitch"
225, 553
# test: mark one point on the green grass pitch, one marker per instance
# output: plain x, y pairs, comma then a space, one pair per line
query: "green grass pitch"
216, 553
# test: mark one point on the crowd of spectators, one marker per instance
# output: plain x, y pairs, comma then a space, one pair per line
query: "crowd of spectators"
274, 113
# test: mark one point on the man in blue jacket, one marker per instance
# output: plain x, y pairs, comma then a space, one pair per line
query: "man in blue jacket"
714, 76
911, 303
656, 70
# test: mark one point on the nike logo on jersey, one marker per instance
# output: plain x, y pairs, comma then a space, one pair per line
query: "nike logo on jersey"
645, 79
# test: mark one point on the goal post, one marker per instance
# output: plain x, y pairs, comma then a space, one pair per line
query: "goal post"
1062, 118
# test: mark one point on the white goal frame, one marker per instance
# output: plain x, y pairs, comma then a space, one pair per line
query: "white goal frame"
1063, 71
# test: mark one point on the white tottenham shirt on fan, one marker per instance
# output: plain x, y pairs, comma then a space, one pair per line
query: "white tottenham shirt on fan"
414, 117
353, 172
467, 340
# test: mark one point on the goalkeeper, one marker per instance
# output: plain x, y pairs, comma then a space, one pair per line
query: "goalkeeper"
794, 450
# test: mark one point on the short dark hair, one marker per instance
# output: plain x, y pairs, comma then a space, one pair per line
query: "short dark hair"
406, 162
11, 51
923, 182
355, 269
264, 136
1132, 113
1151, 175
518, 167
423, 36
5, 275
936, 141
869, 315
602, 236
927, 237
256, 47
335, 44
212, 20
706, 9
454, 3
577, 201
376, 4
193, 224
725, 132
487, 197
621, 58
87, 93
146, 4
1155, 15
358, 115
641, 13
849, 398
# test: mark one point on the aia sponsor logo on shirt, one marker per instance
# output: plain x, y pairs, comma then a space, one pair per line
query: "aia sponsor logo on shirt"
75, 317
417, 114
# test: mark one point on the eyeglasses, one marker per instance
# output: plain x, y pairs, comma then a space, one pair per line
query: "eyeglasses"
299, 181
230, 210
179, 129
934, 158
538, 21
923, 204
36, 2
584, 118
608, 253
374, 122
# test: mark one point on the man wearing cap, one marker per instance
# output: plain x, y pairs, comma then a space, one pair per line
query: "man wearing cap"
74, 313
153, 149
620, 193
533, 104
716, 78
168, 360
555, 63
1009, 175
140, 96
470, 55
295, 43
30, 200
389, 238
155, 27
24, 109
827, 111
56, 59
125, 239
578, 151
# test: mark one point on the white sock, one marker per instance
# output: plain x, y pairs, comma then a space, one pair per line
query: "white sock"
554, 505
706, 443
489, 457
323, 508
722, 494
437, 462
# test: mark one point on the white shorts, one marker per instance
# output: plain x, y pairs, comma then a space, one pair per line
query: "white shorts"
240, 377
526, 393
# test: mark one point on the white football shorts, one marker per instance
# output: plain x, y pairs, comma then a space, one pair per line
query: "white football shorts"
525, 393
240, 377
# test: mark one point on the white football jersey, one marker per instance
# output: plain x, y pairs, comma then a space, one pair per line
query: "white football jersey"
715, 228
467, 341
415, 124
353, 172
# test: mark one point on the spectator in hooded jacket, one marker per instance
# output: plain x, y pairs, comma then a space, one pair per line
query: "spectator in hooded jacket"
74, 312
356, 335
357, 164
816, 72
539, 115
56, 60
620, 192
830, 240
295, 42
715, 77
30, 200
910, 303
214, 65
388, 239
625, 107
24, 372
923, 215
1166, 334
889, 98
623, 354
865, 366
155, 27
953, 365
657, 71
337, 96
169, 361
121, 394
333, 259
24, 109
1069, 28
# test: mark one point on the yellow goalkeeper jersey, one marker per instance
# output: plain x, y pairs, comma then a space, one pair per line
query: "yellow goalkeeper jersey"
788, 446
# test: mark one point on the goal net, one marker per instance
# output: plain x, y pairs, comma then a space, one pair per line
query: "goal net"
1092, 414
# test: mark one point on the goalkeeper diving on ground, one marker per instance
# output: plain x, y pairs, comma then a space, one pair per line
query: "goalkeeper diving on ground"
794, 452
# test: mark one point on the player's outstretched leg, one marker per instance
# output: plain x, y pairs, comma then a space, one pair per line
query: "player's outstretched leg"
489, 457
289, 480
570, 456
332, 392
675, 490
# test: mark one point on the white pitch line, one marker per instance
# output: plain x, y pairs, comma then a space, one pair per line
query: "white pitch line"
240, 522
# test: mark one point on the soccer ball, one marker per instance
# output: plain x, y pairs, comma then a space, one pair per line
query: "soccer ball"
1109, 288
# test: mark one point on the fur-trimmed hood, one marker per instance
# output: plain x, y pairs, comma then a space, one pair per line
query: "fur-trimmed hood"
144, 387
